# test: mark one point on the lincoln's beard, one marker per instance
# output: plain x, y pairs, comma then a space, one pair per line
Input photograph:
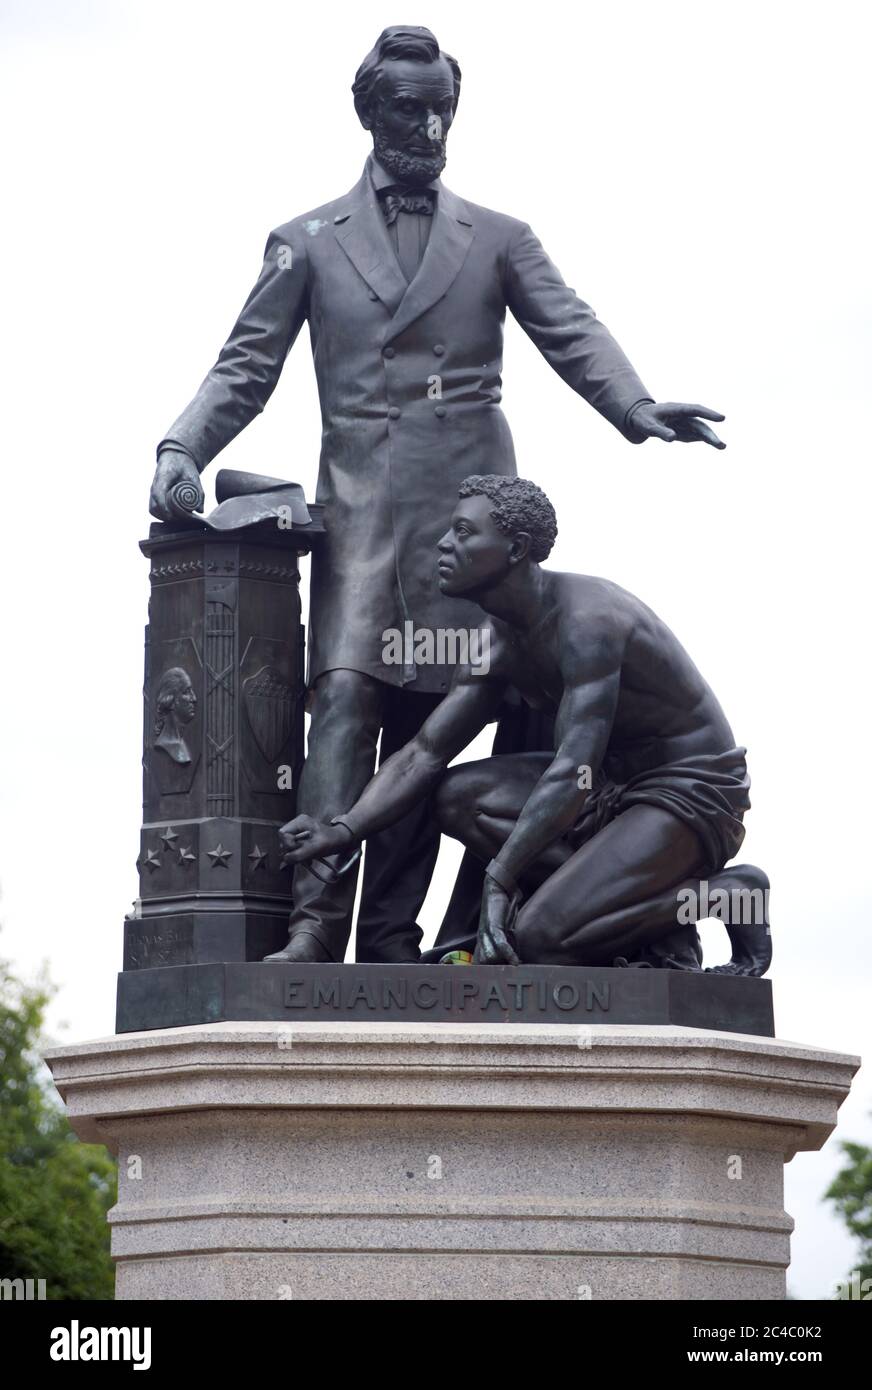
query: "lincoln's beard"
415, 169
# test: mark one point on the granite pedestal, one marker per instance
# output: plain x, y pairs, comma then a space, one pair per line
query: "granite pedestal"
450, 1161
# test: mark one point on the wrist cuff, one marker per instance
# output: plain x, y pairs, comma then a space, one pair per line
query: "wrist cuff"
173, 446
349, 826
503, 878
634, 436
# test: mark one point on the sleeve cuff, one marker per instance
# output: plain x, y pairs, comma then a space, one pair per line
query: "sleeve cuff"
633, 435
178, 448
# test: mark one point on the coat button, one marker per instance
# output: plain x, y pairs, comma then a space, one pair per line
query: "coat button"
440, 411
394, 412
390, 352
373, 295
439, 348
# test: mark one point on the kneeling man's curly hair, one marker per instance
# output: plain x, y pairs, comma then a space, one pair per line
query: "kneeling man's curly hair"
519, 505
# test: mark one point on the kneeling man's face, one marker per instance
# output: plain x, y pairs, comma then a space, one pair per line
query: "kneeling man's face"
474, 553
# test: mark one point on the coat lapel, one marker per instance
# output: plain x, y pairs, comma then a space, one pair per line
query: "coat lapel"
363, 236
447, 246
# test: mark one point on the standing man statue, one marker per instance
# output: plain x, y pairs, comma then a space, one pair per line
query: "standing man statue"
405, 288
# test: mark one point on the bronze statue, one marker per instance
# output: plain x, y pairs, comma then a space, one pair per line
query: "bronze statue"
405, 288
590, 850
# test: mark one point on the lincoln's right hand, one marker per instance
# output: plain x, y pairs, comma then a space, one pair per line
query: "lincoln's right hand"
173, 467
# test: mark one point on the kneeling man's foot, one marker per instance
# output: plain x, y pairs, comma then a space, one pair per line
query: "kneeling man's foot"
748, 927
302, 949
752, 951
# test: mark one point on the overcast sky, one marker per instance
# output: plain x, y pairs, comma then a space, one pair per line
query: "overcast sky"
699, 173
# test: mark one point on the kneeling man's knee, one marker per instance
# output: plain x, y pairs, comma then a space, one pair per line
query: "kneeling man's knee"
541, 935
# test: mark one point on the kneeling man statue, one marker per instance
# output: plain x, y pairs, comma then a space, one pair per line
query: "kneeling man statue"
590, 850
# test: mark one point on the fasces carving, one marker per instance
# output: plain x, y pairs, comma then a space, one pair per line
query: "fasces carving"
220, 699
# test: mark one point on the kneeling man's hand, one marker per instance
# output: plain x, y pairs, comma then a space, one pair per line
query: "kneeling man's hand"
497, 913
303, 839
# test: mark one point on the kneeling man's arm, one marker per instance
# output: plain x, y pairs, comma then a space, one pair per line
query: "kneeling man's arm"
410, 775
584, 724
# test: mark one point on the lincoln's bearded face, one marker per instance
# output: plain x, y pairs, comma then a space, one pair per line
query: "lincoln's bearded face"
410, 119
416, 170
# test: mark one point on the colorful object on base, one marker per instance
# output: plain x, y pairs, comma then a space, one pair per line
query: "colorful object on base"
456, 958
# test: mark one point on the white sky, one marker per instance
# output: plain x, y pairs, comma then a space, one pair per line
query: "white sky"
699, 173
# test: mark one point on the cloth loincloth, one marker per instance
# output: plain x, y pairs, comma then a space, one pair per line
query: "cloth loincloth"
708, 791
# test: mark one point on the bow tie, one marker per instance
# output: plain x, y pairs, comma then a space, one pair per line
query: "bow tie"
396, 200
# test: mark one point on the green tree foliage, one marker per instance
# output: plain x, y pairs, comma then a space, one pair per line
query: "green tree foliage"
54, 1191
851, 1193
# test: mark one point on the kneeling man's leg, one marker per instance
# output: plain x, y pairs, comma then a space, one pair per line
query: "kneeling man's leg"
611, 896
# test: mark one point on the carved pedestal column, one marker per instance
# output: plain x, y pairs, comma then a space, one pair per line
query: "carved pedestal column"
222, 744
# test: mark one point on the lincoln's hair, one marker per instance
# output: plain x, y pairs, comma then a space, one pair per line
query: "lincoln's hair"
399, 41
519, 505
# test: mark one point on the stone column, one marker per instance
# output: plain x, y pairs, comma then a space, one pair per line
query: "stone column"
222, 744
450, 1161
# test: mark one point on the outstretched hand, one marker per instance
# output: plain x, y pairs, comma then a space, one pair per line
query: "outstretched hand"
672, 420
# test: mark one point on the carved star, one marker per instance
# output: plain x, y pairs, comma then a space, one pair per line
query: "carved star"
185, 856
219, 855
258, 856
151, 861
167, 837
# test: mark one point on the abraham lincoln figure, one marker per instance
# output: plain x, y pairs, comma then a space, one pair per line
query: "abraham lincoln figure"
405, 288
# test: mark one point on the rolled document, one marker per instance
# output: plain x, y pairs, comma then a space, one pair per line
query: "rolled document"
185, 498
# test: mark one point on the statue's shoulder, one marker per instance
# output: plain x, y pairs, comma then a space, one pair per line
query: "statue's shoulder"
309, 226
499, 223
589, 602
